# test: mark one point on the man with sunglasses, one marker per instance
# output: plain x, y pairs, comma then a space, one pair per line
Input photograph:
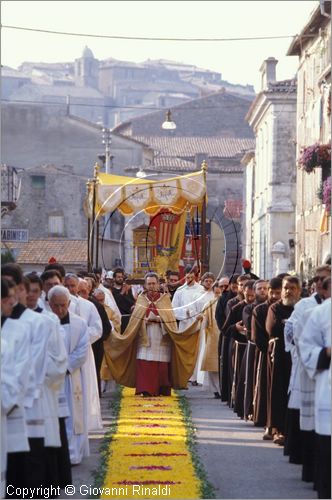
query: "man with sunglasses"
301, 390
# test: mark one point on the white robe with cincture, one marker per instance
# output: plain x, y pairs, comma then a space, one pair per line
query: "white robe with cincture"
88, 311
316, 336
76, 338
198, 374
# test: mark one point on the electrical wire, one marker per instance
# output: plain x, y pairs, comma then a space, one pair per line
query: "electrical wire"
116, 106
148, 38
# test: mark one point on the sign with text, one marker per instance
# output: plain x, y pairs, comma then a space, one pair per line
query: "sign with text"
17, 235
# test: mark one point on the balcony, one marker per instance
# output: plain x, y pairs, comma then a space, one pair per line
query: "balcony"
10, 189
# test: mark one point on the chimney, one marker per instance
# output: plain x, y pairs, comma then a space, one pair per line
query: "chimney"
268, 71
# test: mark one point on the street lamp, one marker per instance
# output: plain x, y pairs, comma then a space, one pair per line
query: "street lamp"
168, 123
141, 174
107, 142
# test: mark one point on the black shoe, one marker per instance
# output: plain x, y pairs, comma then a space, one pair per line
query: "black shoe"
145, 394
217, 395
194, 383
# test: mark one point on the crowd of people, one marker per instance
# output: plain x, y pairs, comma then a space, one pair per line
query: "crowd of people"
262, 347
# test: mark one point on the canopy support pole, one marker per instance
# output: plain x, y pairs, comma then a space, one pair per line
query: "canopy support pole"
204, 263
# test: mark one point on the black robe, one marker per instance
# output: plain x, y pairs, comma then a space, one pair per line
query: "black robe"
98, 346
227, 347
279, 364
125, 302
260, 336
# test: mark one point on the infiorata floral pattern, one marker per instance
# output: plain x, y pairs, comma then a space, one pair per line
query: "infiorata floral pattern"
149, 461
317, 155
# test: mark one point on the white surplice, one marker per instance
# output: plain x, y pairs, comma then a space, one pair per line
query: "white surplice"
76, 339
301, 386
18, 336
157, 350
13, 371
57, 361
315, 337
186, 304
39, 335
88, 311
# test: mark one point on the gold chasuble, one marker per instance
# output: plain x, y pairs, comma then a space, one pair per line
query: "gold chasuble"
120, 350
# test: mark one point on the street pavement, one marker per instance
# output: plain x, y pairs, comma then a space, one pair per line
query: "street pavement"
238, 462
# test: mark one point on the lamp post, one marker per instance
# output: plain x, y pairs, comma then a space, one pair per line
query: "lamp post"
107, 142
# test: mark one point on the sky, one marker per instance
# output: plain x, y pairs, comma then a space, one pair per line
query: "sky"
237, 61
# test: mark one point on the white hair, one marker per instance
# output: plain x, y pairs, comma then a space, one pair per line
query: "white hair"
58, 290
99, 290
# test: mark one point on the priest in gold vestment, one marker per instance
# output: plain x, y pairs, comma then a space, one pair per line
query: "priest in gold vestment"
151, 354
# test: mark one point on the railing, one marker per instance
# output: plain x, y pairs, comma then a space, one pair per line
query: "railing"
10, 188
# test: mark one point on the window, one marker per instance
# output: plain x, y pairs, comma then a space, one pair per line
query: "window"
38, 181
56, 225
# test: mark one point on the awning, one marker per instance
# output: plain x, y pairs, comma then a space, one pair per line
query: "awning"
130, 195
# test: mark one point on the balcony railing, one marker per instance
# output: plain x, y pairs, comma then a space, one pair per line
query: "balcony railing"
10, 188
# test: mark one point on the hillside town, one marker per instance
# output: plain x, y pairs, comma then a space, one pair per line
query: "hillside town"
166, 278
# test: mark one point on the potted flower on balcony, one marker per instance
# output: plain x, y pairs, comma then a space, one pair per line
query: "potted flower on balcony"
317, 155
326, 198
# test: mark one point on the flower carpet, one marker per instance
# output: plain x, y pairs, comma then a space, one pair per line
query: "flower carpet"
149, 454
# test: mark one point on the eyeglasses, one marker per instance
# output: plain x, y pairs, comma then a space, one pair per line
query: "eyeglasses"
319, 278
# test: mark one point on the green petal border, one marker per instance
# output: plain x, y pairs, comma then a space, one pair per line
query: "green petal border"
206, 488
105, 448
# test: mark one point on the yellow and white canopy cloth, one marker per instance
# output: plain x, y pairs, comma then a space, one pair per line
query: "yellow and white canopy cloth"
130, 195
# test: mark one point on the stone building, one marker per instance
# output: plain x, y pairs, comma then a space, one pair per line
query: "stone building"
313, 126
54, 154
270, 173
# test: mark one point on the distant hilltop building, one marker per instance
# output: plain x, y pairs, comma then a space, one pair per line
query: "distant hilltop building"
110, 91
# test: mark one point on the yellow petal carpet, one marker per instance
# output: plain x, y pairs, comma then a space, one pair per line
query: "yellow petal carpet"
149, 454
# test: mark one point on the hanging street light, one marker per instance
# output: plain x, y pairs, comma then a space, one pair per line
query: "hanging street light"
141, 174
168, 123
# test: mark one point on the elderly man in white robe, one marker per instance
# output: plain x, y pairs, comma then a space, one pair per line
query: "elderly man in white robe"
88, 311
57, 360
73, 397
301, 386
28, 469
15, 362
315, 352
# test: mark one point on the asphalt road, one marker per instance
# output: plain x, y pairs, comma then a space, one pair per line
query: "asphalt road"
238, 462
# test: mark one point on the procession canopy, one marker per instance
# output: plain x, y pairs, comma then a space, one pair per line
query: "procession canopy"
130, 195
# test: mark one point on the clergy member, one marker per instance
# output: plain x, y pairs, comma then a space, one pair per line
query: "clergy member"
88, 311
315, 351
185, 300
58, 472
152, 355
73, 396
210, 359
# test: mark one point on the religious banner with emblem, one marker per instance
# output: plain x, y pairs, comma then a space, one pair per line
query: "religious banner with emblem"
170, 231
